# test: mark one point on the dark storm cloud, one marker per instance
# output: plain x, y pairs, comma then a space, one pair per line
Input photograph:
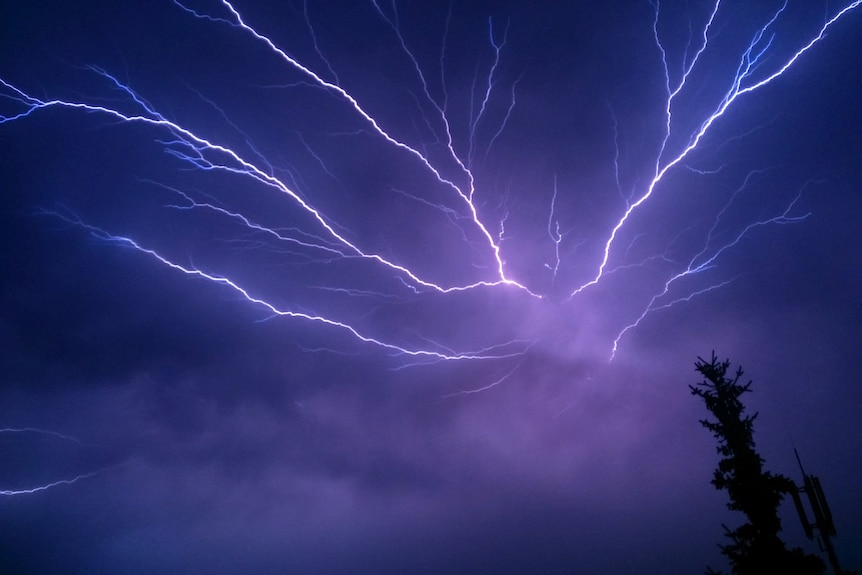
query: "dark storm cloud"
233, 441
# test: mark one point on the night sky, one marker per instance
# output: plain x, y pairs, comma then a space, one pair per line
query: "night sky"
339, 304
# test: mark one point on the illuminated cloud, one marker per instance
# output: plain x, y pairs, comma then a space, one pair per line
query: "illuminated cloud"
385, 287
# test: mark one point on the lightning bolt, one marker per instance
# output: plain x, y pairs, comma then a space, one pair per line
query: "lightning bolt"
743, 82
450, 165
46, 486
466, 195
500, 351
706, 258
554, 233
52, 484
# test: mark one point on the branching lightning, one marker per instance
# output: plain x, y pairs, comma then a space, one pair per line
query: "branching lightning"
455, 173
502, 351
46, 486
52, 484
707, 257
742, 83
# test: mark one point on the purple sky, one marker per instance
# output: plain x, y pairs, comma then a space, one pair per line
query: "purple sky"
225, 438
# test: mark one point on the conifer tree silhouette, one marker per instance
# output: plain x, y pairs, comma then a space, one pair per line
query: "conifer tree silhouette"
755, 547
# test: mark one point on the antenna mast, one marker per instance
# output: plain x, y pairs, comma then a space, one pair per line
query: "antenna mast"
820, 509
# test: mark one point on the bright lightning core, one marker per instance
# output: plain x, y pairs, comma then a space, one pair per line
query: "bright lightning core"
384, 182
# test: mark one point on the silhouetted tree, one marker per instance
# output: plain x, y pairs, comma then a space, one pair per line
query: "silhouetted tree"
755, 547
